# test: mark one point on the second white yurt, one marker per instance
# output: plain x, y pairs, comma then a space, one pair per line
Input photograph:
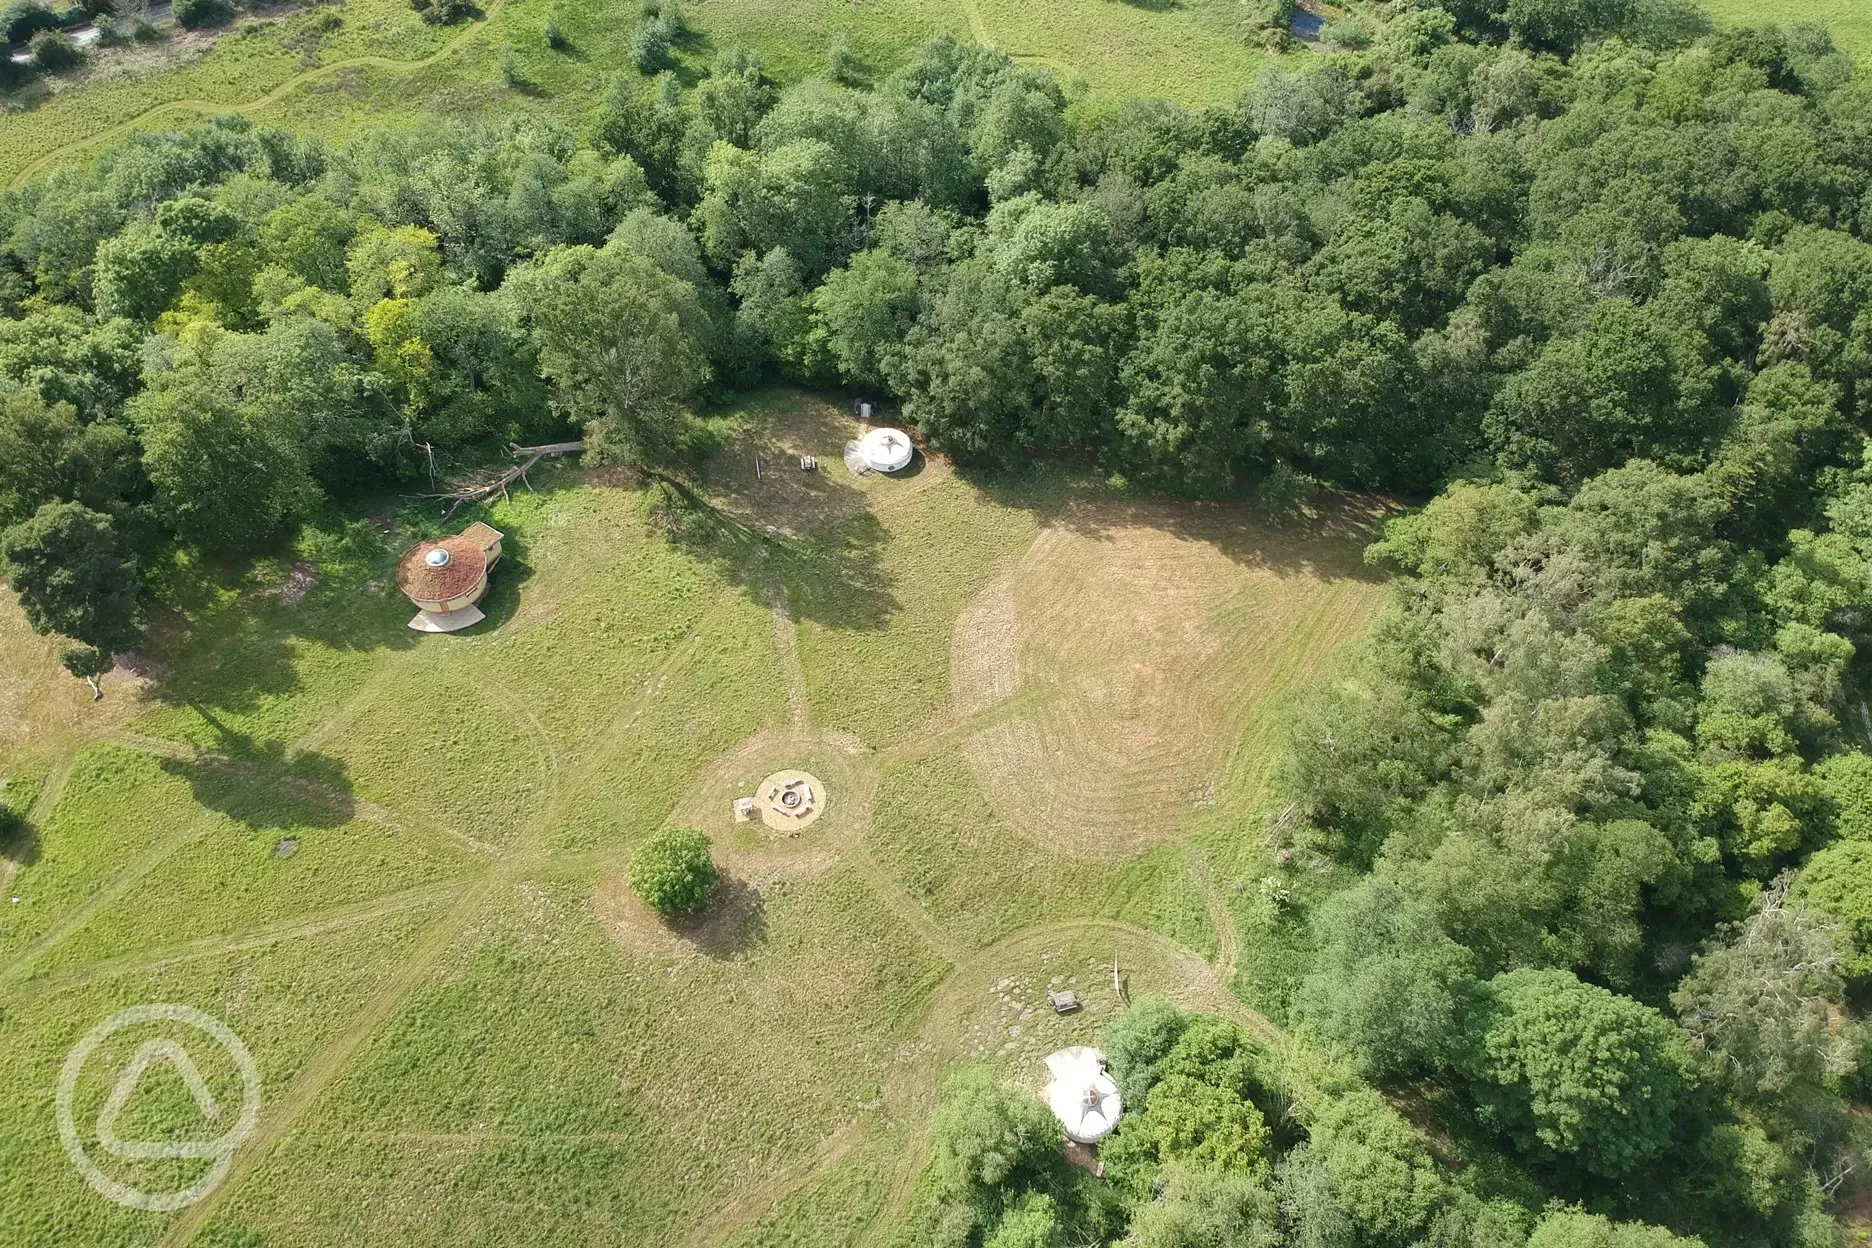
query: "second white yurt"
1082, 1095
886, 450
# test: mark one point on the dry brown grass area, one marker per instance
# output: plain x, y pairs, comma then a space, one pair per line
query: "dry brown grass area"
42, 709
786, 500
1154, 634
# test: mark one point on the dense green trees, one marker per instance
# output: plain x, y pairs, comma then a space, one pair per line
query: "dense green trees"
1577, 1071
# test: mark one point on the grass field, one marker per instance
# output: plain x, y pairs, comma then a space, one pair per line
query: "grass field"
332, 69
468, 1029
380, 60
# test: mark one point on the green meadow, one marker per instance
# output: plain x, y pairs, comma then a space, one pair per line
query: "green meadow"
394, 864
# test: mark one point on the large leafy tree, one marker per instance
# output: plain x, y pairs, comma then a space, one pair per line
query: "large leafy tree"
140, 271
1575, 1073
863, 311
797, 196
1837, 882
1388, 983
47, 455
73, 579
1760, 1005
1620, 388
223, 480
622, 343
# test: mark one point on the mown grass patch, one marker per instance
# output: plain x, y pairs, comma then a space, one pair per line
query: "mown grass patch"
1196, 51
935, 833
640, 1091
1850, 21
724, 685
284, 1001
878, 597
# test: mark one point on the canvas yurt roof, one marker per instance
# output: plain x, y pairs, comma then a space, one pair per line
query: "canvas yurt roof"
886, 450
440, 570
1082, 1096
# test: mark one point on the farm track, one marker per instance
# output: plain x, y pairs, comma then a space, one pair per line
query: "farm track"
786, 648
208, 108
153, 856
336, 919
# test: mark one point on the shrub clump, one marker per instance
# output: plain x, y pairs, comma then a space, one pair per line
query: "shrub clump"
443, 12
53, 52
655, 38
22, 19
672, 871
195, 14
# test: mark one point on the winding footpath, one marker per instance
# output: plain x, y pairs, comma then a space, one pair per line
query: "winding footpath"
208, 108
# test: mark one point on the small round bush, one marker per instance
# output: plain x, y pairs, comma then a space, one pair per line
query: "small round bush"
672, 871
195, 14
651, 45
53, 52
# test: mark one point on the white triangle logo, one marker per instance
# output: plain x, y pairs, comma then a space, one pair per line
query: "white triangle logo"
148, 1054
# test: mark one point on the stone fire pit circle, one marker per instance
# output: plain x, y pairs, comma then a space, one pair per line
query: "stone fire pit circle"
790, 800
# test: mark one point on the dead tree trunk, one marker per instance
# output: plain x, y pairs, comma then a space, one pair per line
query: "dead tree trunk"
499, 485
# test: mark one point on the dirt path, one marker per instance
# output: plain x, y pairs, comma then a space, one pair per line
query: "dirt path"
209, 108
786, 646
319, 923
756, 1201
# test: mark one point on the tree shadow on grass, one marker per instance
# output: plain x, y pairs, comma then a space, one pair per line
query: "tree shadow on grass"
19, 840
234, 656
1326, 536
734, 921
260, 785
835, 577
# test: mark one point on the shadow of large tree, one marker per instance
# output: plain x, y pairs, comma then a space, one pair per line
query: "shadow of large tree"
263, 785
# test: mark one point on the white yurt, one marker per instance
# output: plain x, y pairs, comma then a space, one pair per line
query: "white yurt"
1082, 1095
886, 450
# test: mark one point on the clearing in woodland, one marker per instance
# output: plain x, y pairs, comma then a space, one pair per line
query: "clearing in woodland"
1040, 716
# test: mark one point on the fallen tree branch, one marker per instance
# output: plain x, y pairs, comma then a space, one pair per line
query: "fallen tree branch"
501, 483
